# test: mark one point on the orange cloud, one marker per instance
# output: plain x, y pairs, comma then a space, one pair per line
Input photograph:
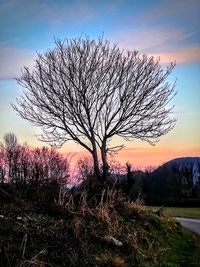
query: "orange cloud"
155, 156
184, 55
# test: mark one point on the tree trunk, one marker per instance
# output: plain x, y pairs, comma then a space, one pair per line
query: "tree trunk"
104, 161
96, 165
95, 161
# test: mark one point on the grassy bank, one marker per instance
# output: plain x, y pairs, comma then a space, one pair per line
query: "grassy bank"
181, 212
80, 230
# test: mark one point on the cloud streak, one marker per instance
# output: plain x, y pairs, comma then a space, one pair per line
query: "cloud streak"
182, 56
14, 59
148, 39
169, 45
142, 157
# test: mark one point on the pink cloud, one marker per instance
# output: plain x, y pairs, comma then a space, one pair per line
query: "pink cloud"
184, 55
164, 43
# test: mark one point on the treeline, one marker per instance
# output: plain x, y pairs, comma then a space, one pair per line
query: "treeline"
163, 186
171, 187
22, 164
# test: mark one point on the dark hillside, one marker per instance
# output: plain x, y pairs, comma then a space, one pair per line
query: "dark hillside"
176, 182
77, 229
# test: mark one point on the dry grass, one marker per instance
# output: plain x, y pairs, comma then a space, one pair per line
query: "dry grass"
111, 209
35, 262
101, 228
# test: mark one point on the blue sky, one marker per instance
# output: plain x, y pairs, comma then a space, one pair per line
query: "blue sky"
167, 28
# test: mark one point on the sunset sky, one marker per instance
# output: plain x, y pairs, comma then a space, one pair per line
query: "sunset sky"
165, 28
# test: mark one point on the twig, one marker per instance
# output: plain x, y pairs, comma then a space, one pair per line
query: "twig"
24, 241
7, 257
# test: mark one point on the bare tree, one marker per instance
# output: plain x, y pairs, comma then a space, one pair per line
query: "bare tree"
2, 163
12, 148
11, 142
90, 91
84, 168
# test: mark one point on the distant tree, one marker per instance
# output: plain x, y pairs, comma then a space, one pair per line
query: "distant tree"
22, 164
84, 168
12, 148
149, 169
117, 170
58, 166
2, 163
90, 91
48, 166
129, 175
11, 142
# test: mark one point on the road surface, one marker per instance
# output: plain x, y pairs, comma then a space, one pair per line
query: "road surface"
191, 224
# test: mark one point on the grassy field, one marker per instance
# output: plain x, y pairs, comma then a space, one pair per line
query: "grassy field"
181, 212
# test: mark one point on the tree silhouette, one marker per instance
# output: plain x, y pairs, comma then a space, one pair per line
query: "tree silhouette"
21, 164
12, 149
90, 91
2, 163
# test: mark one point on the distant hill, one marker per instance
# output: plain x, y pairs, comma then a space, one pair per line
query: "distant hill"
188, 166
176, 182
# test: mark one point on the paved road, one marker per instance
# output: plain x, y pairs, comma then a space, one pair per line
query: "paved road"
191, 224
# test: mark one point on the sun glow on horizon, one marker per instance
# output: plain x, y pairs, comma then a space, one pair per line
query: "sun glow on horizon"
140, 157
